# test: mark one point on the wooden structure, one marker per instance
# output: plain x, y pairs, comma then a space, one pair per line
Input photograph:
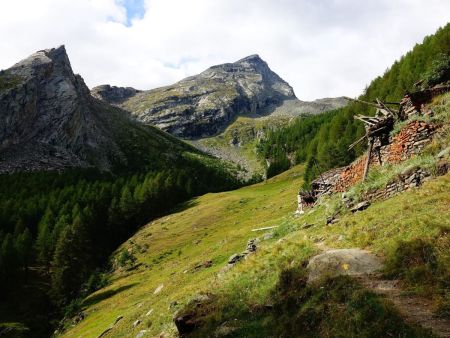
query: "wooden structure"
377, 127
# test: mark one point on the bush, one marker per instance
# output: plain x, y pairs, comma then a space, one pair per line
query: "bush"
126, 258
438, 72
415, 261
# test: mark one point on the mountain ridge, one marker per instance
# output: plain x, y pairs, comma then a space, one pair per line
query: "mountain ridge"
203, 105
51, 122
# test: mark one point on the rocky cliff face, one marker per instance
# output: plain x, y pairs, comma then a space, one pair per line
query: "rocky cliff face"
49, 120
113, 94
203, 105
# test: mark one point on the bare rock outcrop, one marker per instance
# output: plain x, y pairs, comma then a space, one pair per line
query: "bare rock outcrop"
203, 105
50, 121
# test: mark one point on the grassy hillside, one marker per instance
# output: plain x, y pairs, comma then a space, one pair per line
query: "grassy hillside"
58, 228
217, 225
170, 264
237, 143
211, 227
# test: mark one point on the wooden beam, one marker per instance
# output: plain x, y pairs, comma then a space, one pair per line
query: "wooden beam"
369, 154
361, 118
392, 111
363, 102
351, 146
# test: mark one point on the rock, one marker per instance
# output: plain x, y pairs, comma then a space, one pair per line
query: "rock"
444, 153
79, 317
235, 258
141, 334
105, 332
136, 322
50, 121
118, 319
307, 225
185, 323
113, 94
201, 298
204, 104
360, 206
252, 245
268, 236
442, 167
331, 220
342, 262
158, 289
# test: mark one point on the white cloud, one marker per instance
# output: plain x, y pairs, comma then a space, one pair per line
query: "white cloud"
321, 47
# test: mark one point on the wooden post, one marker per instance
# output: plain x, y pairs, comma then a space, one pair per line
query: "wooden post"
369, 153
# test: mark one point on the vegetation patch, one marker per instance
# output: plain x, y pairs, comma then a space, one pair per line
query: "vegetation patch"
336, 307
424, 270
8, 81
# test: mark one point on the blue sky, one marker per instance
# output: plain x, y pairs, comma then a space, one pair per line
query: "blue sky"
322, 48
134, 8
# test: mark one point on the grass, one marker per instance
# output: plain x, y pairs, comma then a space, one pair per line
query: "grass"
211, 227
215, 226
266, 293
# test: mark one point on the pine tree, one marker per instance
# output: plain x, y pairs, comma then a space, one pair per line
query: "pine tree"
72, 261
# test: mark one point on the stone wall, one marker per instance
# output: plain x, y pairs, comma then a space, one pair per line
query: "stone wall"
408, 142
407, 180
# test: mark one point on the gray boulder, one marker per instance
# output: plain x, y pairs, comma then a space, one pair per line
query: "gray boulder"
337, 262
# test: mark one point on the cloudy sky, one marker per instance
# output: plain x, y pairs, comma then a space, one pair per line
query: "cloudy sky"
322, 48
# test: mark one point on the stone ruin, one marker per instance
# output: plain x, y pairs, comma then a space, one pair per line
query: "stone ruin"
383, 148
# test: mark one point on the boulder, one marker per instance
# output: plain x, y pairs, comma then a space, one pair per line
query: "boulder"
360, 206
141, 334
235, 258
185, 323
337, 262
158, 289
268, 236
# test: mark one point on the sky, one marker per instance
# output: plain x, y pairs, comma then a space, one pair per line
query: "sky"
322, 48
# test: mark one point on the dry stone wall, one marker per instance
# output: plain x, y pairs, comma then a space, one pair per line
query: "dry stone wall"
408, 142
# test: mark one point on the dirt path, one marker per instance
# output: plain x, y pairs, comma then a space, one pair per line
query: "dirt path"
414, 309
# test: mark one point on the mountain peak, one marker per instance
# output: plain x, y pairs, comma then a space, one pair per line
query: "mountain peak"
49, 119
43, 62
251, 58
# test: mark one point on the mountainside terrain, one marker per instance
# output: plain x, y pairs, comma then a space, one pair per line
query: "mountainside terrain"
323, 141
205, 104
50, 121
368, 259
234, 264
78, 177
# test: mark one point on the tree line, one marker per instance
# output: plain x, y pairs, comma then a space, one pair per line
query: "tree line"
68, 223
322, 141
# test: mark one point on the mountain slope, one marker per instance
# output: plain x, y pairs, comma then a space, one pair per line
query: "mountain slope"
174, 252
181, 261
50, 121
204, 104
328, 141
77, 177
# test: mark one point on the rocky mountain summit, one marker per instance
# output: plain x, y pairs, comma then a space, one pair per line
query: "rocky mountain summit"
49, 120
203, 105
113, 94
